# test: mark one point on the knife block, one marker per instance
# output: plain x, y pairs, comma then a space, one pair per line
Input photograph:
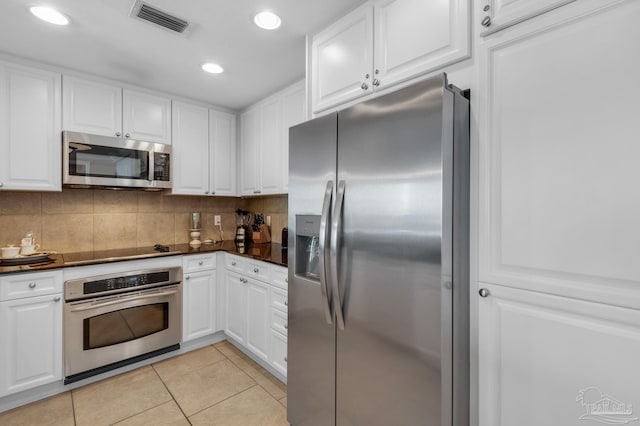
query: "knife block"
262, 236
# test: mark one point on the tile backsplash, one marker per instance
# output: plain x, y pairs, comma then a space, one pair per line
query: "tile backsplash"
96, 219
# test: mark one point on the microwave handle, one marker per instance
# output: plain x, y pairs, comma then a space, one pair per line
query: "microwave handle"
152, 163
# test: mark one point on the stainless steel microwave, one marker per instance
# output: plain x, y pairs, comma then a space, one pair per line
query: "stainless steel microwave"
93, 160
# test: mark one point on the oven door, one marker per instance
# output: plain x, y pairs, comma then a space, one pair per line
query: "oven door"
109, 329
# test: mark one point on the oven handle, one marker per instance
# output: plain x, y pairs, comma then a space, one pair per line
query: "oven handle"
92, 305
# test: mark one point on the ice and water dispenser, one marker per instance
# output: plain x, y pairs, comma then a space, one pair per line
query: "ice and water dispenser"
307, 246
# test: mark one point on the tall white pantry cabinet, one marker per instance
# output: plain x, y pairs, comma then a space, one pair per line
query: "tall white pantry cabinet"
558, 291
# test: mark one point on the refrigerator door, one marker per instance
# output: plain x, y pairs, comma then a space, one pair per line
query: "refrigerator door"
311, 332
393, 362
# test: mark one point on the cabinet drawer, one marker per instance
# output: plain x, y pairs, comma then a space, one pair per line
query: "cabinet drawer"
235, 263
28, 285
279, 300
280, 277
199, 262
259, 270
278, 352
279, 321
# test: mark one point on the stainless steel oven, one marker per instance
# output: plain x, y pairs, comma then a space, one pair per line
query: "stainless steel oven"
113, 320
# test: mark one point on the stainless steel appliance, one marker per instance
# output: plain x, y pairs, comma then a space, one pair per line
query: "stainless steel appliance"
113, 320
93, 160
378, 262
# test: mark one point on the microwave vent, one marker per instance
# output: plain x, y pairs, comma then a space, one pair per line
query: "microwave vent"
146, 12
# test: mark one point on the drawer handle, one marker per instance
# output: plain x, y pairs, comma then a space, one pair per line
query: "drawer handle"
233, 263
286, 326
286, 302
285, 359
486, 22
200, 263
256, 270
32, 285
286, 280
484, 292
56, 299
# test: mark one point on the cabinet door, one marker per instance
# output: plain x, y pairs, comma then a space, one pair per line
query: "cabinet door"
278, 352
30, 138
30, 343
190, 137
500, 14
413, 37
294, 112
199, 305
146, 117
249, 155
258, 321
91, 107
235, 291
271, 148
342, 60
222, 153
557, 359
558, 162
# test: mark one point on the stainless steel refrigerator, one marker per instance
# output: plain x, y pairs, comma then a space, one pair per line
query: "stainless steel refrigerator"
378, 262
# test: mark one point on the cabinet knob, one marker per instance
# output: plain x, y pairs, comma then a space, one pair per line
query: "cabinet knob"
486, 8
206, 192
256, 270
377, 71
127, 135
366, 76
200, 263
285, 359
213, 192
118, 134
187, 278
286, 302
484, 292
364, 86
376, 82
257, 191
233, 263
286, 326
486, 22
32, 285
56, 299
1, 184
286, 280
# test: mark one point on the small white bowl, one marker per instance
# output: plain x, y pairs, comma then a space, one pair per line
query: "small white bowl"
10, 251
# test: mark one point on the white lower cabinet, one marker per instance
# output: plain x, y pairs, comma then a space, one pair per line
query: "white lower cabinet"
199, 296
30, 331
255, 309
551, 360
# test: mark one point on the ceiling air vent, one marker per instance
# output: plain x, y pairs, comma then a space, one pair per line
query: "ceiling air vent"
149, 13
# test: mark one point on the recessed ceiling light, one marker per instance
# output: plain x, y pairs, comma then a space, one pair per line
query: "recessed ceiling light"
267, 20
50, 15
212, 68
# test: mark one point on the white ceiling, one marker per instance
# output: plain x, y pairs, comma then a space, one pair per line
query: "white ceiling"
103, 40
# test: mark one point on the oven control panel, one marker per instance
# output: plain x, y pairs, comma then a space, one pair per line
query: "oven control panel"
117, 283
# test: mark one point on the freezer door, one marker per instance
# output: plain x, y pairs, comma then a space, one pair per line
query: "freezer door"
311, 332
394, 354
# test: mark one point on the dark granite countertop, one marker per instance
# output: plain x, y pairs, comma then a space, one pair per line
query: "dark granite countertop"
269, 252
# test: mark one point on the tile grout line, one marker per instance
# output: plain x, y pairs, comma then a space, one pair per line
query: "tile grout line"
73, 408
173, 398
227, 398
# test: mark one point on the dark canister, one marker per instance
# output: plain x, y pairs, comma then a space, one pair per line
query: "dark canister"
285, 237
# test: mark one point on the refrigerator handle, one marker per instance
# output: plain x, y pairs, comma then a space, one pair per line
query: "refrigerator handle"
336, 233
324, 243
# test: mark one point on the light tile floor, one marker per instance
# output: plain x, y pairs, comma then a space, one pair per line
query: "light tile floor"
215, 385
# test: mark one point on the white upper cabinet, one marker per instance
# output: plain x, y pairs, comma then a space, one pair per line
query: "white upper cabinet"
558, 152
385, 42
499, 14
416, 36
30, 138
264, 141
146, 117
204, 144
190, 136
342, 60
104, 109
91, 107
222, 153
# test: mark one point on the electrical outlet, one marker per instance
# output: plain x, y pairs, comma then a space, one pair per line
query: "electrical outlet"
216, 220
268, 221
